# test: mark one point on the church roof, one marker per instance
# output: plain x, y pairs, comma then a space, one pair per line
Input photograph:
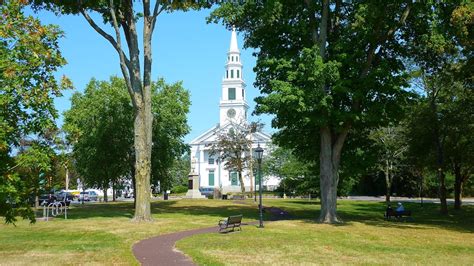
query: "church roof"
210, 136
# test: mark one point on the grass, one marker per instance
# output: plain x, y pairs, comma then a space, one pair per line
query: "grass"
365, 238
104, 234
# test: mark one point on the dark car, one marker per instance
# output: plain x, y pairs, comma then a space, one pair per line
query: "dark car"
46, 198
65, 196
207, 191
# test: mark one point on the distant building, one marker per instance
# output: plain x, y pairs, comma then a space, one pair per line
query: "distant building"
232, 110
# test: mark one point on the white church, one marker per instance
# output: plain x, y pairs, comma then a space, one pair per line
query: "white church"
233, 109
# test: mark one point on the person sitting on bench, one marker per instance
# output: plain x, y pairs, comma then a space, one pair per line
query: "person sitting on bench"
400, 209
388, 211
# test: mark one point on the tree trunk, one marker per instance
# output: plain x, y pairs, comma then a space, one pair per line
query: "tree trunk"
242, 185
329, 177
106, 199
442, 191
142, 128
457, 187
439, 157
388, 183
113, 192
133, 188
36, 200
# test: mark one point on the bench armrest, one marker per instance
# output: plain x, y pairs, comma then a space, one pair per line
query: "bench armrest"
223, 222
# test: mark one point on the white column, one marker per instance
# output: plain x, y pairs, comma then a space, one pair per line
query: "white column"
201, 159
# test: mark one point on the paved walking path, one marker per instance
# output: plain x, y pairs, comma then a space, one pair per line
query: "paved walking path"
160, 250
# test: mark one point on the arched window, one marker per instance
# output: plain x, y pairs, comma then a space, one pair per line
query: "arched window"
238, 73
231, 73
243, 93
227, 74
237, 59
232, 59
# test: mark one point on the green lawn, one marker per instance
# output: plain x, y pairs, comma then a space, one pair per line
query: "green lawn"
103, 234
365, 238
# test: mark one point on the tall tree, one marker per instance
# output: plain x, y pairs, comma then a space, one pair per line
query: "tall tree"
441, 44
326, 68
391, 148
124, 17
170, 108
440, 131
99, 124
29, 58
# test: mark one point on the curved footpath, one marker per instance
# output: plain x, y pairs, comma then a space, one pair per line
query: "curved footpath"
160, 250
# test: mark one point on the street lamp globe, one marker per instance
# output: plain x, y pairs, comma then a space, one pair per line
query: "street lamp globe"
259, 153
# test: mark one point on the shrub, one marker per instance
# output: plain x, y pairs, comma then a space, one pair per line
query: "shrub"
179, 189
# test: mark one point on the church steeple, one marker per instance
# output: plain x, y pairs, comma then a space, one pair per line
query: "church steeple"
233, 106
233, 42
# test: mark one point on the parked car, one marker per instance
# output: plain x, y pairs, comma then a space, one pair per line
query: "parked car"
88, 195
65, 196
207, 191
48, 198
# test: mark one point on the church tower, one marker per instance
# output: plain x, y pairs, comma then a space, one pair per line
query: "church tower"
233, 107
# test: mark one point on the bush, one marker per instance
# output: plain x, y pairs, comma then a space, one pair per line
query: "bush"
179, 189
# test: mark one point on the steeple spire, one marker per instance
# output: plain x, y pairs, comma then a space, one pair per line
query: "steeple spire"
233, 106
233, 41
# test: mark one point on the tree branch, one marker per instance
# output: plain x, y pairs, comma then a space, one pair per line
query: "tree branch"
383, 39
313, 24
125, 68
103, 33
337, 147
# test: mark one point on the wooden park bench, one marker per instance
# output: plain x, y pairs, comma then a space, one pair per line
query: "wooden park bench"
231, 222
389, 214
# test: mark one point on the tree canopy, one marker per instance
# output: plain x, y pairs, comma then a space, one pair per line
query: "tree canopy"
29, 59
100, 126
329, 68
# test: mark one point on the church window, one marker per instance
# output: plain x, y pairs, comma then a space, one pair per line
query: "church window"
231, 93
231, 73
243, 93
211, 178
210, 161
232, 59
238, 73
227, 74
234, 179
237, 59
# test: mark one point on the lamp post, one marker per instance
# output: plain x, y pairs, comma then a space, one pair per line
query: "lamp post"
259, 155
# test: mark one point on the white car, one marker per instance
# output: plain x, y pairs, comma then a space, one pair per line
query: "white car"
88, 195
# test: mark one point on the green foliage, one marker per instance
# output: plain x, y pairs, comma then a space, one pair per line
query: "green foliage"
100, 125
362, 73
354, 80
29, 58
297, 177
179, 171
170, 107
179, 189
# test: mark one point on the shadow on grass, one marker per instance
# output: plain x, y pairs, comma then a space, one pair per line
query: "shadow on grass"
372, 213
369, 213
126, 210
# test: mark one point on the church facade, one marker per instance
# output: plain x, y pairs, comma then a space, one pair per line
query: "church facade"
233, 110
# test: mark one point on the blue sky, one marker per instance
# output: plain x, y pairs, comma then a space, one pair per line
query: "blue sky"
185, 48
